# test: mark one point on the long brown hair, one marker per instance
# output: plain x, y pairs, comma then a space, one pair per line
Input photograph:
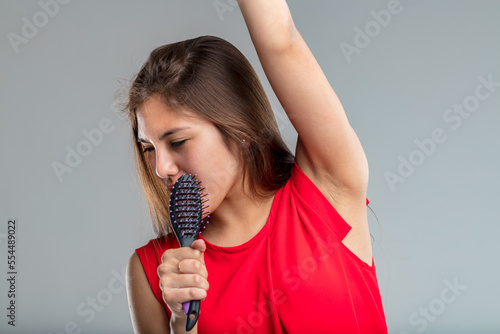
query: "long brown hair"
211, 78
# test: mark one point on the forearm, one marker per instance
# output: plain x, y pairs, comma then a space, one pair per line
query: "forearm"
269, 23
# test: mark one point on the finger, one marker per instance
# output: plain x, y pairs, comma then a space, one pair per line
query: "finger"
177, 254
184, 281
191, 266
175, 297
201, 246
167, 268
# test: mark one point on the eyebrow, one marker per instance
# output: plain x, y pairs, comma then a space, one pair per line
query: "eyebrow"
167, 133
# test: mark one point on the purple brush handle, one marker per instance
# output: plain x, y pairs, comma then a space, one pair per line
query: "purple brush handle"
192, 310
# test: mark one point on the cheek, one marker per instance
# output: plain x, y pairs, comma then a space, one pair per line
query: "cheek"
222, 171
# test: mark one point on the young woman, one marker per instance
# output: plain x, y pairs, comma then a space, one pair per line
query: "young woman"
287, 249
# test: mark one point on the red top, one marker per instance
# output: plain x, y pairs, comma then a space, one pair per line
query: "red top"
294, 276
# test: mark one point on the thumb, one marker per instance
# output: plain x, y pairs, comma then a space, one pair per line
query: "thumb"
200, 245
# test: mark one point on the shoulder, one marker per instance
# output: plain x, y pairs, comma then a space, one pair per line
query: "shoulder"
149, 256
316, 195
134, 263
149, 313
336, 193
146, 313
155, 248
135, 272
344, 208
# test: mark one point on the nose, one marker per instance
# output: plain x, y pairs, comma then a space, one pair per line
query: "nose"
166, 167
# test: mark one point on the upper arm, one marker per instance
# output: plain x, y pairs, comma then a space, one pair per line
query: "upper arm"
328, 149
147, 314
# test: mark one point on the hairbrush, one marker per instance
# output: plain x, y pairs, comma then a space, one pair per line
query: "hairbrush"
187, 206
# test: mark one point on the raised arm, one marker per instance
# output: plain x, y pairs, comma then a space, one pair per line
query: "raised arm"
328, 149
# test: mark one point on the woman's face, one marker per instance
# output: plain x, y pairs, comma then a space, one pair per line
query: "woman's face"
178, 144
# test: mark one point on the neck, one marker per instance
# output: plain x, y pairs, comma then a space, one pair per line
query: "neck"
237, 219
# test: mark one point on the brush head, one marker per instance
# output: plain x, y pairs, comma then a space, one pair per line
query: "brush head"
188, 206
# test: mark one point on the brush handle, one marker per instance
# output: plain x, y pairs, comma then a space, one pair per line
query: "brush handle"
192, 310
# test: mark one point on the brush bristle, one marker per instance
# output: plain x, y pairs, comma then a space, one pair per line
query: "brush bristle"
188, 208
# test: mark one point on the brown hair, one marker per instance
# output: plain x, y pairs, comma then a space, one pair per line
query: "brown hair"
211, 78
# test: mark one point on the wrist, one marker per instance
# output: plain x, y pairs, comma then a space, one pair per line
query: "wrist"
178, 325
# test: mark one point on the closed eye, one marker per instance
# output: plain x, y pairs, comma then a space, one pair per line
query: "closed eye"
148, 149
176, 144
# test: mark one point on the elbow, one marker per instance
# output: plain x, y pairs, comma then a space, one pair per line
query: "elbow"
290, 36
283, 39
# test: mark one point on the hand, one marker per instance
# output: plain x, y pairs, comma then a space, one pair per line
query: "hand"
188, 284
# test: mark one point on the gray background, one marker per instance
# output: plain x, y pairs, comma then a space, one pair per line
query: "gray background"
76, 235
